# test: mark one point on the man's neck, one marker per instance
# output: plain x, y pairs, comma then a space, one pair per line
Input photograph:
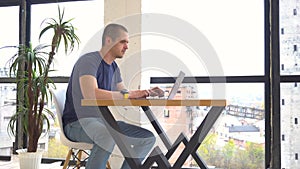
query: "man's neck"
106, 56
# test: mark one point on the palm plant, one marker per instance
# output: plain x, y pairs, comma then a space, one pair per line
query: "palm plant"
62, 30
31, 80
31, 67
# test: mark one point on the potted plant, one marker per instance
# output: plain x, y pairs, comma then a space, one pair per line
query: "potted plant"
31, 66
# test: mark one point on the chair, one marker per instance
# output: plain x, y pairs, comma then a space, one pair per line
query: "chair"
75, 148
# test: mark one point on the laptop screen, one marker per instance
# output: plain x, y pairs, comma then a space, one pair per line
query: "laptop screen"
176, 85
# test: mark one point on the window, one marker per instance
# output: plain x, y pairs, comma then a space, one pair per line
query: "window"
238, 43
7, 109
88, 23
205, 39
289, 92
88, 19
9, 33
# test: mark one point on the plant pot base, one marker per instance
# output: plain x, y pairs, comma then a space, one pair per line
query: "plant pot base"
30, 160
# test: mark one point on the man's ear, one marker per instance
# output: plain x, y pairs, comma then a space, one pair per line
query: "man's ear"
108, 40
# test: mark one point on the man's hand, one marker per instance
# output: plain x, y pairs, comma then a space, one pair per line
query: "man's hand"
156, 91
135, 94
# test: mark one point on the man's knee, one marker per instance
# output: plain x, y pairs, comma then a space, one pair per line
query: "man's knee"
105, 144
152, 140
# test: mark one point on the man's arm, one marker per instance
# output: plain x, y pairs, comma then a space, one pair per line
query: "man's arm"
133, 94
155, 91
90, 90
120, 86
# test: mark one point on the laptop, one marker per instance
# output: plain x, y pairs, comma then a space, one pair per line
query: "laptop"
174, 89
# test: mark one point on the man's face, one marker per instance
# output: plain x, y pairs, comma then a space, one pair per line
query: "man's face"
120, 45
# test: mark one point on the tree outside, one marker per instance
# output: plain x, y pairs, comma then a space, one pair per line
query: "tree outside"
231, 156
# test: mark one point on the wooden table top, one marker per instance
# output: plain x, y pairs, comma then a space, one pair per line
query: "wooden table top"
154, 102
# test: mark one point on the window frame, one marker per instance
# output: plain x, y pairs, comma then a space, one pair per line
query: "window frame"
271, 80
56, 79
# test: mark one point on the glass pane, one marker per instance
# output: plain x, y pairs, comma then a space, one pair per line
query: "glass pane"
88, 20
236, 135
9, 33
7, 109
289, 60
51, 142
206, 37
290, 124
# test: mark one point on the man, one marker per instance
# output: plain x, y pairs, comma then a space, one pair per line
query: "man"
96, 76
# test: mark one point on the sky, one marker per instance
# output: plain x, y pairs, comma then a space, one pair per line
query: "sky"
233, 28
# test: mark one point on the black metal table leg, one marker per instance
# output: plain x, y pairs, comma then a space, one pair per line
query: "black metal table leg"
156, 156
117, 135
165, 139
199, 135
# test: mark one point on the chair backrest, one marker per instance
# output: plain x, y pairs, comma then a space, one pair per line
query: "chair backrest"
59, 98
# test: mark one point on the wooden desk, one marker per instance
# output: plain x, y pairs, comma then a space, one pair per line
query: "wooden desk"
153, 102
156, 156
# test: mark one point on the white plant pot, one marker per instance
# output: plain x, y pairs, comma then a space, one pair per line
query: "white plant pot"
29, 160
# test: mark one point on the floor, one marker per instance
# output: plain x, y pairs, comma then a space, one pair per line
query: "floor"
14, 164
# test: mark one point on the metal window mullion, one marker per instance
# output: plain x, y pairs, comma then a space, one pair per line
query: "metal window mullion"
275, 86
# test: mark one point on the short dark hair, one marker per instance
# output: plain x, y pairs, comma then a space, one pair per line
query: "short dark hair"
113, 31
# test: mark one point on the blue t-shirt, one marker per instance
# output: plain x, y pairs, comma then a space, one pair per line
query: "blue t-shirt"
107, 75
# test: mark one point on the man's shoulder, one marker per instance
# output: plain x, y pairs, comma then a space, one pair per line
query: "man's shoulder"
94, 54
91, 57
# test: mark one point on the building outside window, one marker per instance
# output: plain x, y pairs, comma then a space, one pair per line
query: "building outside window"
289, 63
